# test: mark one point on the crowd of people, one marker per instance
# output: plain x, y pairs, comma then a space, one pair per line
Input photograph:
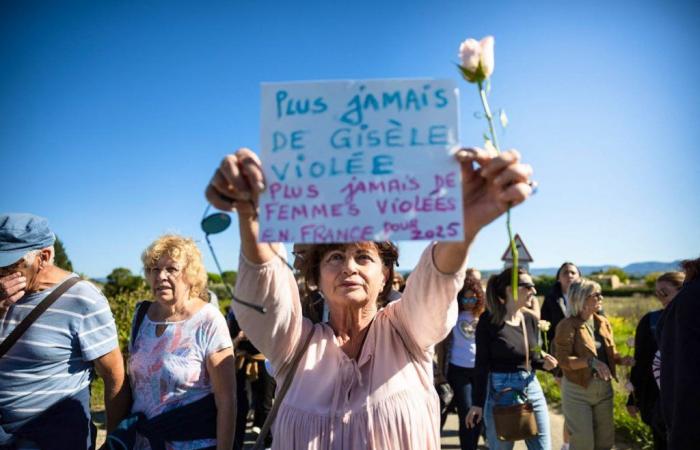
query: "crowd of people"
347, 354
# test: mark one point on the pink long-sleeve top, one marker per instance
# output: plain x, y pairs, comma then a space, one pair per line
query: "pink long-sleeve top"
383, 400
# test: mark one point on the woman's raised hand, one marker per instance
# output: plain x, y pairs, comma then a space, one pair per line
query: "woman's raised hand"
499, 182
237, 183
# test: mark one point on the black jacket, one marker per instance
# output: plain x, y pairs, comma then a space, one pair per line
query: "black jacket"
680, 365
646, 392
551, 312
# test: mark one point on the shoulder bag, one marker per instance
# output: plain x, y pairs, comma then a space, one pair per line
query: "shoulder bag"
516, 422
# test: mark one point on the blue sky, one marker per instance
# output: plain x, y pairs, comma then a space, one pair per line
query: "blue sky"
114, 115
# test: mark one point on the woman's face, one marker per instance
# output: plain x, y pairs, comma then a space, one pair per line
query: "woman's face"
568, 275
352, 276
167, 280
526, 291
665, 292
468, 300
592, 304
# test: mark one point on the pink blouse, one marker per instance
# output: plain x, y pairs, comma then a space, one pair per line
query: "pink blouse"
383, 400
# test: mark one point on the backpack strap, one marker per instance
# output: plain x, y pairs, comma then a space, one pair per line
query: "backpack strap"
141, 310
35, 313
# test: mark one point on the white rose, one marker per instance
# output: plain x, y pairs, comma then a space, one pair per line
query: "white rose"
544, 325
470, 54
487, 60
477, 59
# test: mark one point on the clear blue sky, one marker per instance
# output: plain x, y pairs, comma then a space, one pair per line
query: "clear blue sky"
114, 115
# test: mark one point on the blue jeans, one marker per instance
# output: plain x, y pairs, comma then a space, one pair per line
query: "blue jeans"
524, 382
462, 380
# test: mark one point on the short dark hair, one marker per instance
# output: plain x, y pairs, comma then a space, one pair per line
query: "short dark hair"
310, 264
691, 267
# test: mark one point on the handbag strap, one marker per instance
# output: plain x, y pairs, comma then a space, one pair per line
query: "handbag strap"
19, 330
141, 310
260, 441
527, 344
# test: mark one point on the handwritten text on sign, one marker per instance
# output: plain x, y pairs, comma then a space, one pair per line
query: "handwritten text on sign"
352, 161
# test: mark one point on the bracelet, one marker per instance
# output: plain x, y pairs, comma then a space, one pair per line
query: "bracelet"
591, 363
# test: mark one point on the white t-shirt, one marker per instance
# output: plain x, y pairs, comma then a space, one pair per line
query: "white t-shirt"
463, 351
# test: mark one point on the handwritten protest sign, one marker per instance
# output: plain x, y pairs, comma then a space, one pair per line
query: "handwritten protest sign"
352, 161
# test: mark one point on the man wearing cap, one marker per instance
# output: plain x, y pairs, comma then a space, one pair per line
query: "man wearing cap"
45, 376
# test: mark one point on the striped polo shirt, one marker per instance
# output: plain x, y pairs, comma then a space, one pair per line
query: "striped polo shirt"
52, 359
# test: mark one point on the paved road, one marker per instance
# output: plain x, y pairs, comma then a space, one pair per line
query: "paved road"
450, 438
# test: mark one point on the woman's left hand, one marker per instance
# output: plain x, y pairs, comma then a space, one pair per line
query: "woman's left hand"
627, 361
550, 362
501, 181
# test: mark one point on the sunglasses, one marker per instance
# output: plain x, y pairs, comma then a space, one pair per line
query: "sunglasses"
468, 300
526, 285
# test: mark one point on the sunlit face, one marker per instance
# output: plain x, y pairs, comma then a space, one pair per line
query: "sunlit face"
526, 290
568, 275
592, 304
665, 292
167, 280
352, 276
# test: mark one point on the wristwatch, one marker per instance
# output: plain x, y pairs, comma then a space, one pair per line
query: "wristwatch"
591, 363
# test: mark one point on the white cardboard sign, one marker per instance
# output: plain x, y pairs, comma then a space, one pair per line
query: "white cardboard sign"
348, 161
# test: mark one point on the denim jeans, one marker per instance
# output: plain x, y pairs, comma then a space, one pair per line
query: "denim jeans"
523, 382
462, 380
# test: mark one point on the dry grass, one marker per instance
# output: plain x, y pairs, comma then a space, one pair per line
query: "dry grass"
631, 308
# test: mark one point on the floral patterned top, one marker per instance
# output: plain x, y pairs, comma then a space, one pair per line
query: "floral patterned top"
168, 371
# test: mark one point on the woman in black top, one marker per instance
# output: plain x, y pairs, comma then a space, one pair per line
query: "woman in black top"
553, 311
645, 396
501, 361
554, 305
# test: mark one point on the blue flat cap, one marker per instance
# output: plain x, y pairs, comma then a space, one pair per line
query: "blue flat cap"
21, 233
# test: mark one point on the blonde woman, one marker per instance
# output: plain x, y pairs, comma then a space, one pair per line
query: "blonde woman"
180, 364
586, 353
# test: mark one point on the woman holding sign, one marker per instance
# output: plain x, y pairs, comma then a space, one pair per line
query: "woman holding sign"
365, 380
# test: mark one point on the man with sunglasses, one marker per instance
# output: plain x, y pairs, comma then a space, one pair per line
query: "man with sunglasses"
45, 374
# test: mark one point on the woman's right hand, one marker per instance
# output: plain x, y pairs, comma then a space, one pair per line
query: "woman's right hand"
237, 183
474, 416
601, 369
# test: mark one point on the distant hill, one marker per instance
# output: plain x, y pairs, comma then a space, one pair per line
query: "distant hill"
636, 269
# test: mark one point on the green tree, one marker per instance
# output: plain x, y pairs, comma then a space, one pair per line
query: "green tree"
213, 278
650, 279
61, 257
544, 284
121, 281
230, 277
